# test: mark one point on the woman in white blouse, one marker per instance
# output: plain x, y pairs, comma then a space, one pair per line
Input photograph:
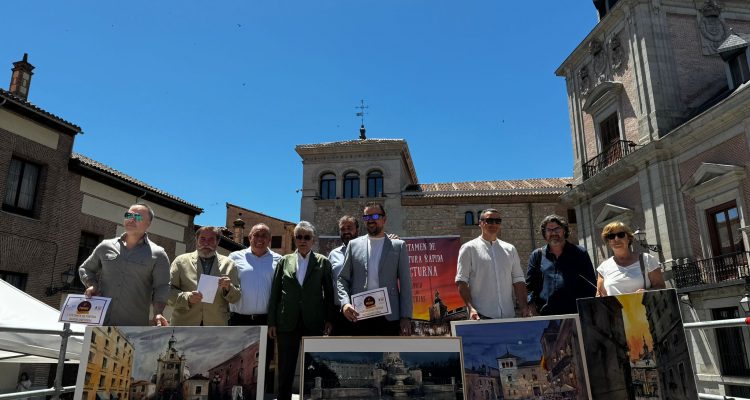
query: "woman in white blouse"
622, 273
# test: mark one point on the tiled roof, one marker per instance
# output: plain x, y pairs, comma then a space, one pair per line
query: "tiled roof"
26, 104
733, 42
119, 175
348, 142
491, 188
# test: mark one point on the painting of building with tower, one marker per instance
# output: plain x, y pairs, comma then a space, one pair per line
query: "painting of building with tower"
636, 347
180, 363
530, 358
413, 368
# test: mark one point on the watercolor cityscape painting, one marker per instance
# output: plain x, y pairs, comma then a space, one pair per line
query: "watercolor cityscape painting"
145, 363
523, 358
636, 347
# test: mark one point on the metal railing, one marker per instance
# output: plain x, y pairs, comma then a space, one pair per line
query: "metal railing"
724, 323
708, 271
612, 154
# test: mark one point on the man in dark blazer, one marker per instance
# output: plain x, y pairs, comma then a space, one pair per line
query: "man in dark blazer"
301, 302
375, 261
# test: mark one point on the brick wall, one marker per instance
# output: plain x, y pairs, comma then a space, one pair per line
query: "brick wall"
46, 244
251, 218
733, 152
699, 76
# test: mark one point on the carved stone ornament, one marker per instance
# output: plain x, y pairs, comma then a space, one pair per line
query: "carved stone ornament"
600, 60
713, 29
585, 81
616, 53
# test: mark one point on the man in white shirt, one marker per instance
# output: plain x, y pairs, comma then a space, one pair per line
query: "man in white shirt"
487, 270
255, 267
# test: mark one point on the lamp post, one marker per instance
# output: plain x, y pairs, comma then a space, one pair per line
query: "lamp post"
745, 302
66, 278
640, 237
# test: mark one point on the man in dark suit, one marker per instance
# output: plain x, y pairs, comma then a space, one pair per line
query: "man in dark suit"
301, 302
375, 261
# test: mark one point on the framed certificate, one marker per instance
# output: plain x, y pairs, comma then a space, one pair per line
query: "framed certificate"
372, 303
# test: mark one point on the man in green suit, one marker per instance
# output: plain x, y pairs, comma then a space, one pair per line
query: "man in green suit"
301, 302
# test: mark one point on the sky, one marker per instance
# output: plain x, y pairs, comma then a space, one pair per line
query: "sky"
207, 100
483, 343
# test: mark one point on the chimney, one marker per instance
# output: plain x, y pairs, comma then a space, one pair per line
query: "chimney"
20, 81
239, 229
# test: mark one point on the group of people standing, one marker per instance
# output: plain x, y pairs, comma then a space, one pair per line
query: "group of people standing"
558, 274
308, 294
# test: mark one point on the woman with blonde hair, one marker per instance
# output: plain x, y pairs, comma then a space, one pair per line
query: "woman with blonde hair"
626, 271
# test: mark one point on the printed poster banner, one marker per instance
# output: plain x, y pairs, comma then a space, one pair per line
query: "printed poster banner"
636, 347
195, 362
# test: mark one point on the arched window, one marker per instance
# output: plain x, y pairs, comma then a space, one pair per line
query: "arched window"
375, 184
328, 186
468, 218
351, 185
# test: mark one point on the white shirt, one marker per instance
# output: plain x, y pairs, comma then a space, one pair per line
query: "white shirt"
490, 269
302, 262
256, 277
374, 250
626, 279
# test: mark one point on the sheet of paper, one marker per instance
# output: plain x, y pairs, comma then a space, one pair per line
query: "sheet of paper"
372, 303
81, 310
207, 285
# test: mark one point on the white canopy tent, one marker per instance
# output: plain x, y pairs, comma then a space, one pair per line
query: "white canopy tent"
20, 316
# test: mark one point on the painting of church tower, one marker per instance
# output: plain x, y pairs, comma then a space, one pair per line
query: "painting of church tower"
171, 370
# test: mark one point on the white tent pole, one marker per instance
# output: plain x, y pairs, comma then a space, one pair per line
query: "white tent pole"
64, 335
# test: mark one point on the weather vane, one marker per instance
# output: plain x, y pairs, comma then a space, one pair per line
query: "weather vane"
361, 114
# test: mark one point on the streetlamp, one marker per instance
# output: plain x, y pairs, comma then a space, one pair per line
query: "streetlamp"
745, 302
66, 278
640, 237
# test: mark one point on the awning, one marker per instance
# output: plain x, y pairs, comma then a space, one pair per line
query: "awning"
18, 310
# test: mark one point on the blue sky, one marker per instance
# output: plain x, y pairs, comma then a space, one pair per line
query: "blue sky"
206, 100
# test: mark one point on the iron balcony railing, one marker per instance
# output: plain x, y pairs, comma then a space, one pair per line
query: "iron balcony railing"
612, 154
708, 271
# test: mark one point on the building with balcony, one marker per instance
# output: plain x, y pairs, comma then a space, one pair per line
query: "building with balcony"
659, 107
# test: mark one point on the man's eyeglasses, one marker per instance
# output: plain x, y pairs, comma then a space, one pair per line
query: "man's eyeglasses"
304, 237
492, 221
612, 236
372, 217
135, 216
556, 229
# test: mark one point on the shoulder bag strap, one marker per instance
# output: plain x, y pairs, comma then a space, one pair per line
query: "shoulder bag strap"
643, 270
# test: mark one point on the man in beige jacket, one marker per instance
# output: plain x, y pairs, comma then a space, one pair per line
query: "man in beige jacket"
186, 270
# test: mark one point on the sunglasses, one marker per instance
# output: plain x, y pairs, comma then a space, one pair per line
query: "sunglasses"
372, 217
135, 216
303, 237
493, 221
612, 236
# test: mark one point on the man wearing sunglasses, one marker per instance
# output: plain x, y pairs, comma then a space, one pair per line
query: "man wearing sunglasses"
375, 261
132, 270
558, 273
489, 271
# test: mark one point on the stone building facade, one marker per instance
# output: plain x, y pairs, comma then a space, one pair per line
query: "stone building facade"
341, 177
659, 108
109, 365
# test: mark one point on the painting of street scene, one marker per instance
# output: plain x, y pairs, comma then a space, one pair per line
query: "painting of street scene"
382, 368
529, 358
636, 347
172, 363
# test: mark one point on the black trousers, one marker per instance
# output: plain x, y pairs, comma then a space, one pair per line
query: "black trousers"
289, 344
